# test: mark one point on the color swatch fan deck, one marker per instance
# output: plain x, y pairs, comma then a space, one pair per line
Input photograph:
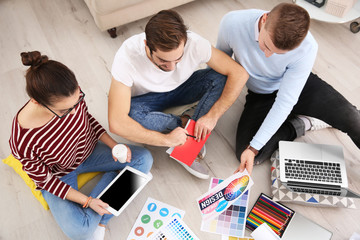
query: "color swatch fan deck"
232, 221
222, 196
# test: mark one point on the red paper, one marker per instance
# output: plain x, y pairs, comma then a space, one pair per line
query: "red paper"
188, 152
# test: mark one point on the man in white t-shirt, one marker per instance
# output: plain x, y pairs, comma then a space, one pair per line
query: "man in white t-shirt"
158, 69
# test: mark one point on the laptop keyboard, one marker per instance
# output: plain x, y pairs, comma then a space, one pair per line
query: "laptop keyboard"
313, 171
315, 191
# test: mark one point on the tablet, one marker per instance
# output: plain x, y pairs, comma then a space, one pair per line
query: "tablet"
123, 189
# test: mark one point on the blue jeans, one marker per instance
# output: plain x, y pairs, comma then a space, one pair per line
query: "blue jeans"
317, 99
204, 86
80, 223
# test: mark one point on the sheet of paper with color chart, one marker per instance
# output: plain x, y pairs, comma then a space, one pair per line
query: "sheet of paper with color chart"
236, 238
176, 229
153, 215
222, 196
233, 220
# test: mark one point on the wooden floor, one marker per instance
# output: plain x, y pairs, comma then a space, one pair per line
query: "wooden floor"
65, 31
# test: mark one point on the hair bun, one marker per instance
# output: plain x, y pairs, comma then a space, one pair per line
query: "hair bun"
33, 58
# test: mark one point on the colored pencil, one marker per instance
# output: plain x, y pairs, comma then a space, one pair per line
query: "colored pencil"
267, 218
276, 215
278, 212
272, 213
251, 225
274, 207
259, 222
286, 211
255, 220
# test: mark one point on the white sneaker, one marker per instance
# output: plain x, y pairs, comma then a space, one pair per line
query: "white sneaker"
99, 233
317, 124
202, 152
196, 169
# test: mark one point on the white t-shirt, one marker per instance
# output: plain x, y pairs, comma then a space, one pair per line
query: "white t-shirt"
133, 68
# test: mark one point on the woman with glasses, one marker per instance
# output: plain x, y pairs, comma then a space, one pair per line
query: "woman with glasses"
56, 139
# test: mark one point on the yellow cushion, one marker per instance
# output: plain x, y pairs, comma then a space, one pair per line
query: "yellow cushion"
17, 166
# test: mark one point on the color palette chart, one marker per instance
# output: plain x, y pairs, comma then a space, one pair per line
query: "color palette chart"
236, 238
276, 215
176, 229
222, 196
232, 221
152, 217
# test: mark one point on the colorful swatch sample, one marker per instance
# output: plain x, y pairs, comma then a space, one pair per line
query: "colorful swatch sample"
153, 215
276, 215
222, 196
232, 221
188, 152
236, 238
176, 229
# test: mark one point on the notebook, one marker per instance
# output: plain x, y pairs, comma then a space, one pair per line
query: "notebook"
285, 223
314, 169
188, 152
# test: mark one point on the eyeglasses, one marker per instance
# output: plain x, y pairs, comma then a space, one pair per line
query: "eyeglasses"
82, 95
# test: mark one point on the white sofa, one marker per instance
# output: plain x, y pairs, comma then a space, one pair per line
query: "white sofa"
108, 14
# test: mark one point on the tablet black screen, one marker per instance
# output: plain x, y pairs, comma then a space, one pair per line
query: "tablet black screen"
122, 189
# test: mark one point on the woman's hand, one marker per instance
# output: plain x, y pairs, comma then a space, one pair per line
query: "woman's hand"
128, 159
128, 154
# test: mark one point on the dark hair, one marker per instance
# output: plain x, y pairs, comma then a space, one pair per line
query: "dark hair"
165, 31
288, 25
47, 80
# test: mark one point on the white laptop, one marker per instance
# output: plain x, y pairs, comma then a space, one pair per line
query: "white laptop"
301, 228
314, 168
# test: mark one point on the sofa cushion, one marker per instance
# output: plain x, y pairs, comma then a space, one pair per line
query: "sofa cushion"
108, 6
17, 166
109, 14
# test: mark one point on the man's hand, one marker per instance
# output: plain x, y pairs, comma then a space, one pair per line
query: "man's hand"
246, 161
99, 206
203, 127
176, 137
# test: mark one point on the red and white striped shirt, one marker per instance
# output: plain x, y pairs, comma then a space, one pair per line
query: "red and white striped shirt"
51, 151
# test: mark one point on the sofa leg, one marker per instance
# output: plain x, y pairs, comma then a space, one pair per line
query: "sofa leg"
112, 32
